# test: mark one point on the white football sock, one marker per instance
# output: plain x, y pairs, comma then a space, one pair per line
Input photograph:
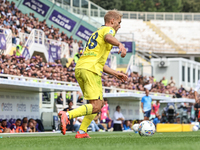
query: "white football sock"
67, 114
81, 131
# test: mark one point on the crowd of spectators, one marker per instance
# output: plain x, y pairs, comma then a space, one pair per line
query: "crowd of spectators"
140, 83
20, 126
37, 68
13, 20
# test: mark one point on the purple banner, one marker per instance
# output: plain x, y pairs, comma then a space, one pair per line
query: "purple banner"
50, 57
26, 53
37, 6
2, 42
54, 52
84, 33
62, 20
127, 45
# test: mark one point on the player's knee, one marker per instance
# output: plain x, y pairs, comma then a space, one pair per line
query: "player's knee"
96, 108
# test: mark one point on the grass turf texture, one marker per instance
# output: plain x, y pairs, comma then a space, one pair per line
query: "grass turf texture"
102, 141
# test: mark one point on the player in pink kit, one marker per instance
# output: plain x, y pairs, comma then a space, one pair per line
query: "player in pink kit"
105, 117
155, 109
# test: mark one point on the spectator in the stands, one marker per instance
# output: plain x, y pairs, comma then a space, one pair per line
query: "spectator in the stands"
25, 119
118, 119
157, 119
172, 83
30, 127
126, 125
19, 48
3, 127
64, 61
97, 121
164, 81
78, 123
15, 126
78, 55
23, 127
60, 99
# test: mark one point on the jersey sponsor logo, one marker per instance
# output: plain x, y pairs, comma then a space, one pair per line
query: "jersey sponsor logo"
90, 54
111, 31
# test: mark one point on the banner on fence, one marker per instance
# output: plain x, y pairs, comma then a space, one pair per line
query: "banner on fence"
37, 6
2, 42
62, 20
127, 45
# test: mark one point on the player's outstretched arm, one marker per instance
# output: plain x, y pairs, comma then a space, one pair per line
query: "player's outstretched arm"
119, 75
112, 40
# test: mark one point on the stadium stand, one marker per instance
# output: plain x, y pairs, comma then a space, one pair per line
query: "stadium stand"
10, 19
183, 33
146, 39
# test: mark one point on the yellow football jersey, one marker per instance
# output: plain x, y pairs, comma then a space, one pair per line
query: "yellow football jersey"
96, 51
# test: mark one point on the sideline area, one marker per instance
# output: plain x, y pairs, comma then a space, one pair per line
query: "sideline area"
99, 141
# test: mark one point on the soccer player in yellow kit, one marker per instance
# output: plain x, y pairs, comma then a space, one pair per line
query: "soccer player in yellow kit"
89, 69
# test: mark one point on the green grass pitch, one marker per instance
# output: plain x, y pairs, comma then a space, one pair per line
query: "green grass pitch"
102, 141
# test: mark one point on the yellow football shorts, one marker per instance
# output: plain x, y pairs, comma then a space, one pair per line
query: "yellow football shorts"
90, 84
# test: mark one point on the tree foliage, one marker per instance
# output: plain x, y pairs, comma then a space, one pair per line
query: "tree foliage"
151, 5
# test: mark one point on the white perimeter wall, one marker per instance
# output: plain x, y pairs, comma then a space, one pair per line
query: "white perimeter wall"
19, 105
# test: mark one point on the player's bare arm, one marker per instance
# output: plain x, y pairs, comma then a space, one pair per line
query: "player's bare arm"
119, 75
112, 40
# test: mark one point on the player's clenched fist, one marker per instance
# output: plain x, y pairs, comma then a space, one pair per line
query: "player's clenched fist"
122, 50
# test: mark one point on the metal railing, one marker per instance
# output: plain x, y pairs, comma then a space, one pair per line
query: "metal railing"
90, 9
36, 82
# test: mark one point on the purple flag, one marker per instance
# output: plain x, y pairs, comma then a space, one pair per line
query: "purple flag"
2, 42
54, 52
127, 45
84, 33
50, 57
62, 20
26, 53
37, 6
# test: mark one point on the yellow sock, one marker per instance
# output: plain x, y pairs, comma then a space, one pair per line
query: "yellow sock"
81, 111
86, 122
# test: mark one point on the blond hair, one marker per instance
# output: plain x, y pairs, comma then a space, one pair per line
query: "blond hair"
112, 14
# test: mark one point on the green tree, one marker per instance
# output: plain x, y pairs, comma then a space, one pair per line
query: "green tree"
109, 4
191, 6
149, 6
173, 5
